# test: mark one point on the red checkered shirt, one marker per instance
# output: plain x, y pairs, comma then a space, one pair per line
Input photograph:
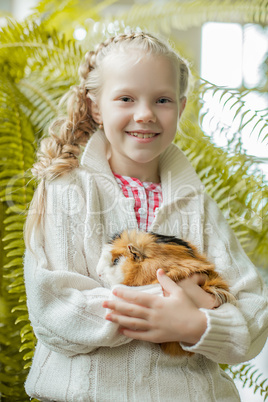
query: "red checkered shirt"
147, 196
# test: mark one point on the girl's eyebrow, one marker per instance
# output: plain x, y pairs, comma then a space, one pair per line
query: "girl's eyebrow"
122, 90
158, 92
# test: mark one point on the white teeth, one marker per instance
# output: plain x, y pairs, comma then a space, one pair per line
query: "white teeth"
139, 135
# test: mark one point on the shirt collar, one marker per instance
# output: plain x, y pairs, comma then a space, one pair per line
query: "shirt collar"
133, 182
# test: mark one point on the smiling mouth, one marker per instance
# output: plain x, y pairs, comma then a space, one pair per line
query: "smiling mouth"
140, 135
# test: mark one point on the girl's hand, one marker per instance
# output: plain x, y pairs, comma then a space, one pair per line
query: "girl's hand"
201, 298
162, 319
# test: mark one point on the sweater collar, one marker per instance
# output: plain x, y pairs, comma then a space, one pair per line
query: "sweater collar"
94, 155
178, 177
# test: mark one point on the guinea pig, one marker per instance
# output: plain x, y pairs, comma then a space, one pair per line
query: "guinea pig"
132, 258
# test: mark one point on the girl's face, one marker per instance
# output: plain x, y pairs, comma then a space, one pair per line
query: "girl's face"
139, 109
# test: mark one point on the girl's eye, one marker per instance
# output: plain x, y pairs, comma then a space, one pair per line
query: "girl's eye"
126, 99
163, 100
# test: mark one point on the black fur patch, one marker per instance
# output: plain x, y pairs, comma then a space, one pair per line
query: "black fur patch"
115, 236
173, 240
159, 238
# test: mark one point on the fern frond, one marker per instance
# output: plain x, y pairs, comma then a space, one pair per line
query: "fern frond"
234, 100
234, 183
28, 46
191, 13
150, 15
250, 377
45, 96
15, 195
69, 14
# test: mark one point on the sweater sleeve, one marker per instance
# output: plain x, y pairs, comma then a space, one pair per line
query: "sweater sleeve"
235, 333
65, 305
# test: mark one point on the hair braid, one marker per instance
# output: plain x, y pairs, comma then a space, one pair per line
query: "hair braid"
59, 152
91, 56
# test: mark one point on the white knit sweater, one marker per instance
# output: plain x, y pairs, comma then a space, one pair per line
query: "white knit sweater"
80, 356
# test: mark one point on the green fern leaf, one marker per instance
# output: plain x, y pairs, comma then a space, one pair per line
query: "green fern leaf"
191, 13
16, 157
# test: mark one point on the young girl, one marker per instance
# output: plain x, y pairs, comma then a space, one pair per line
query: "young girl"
132, 94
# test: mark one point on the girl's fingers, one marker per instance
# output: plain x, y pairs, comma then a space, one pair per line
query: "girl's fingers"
133, 324
199, 296
168, 285
198, 279
125, 308
140, 335
134, 296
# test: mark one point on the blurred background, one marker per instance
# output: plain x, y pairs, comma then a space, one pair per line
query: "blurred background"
226, 119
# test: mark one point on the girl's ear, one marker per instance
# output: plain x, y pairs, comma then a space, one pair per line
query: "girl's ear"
95, 110
183, 101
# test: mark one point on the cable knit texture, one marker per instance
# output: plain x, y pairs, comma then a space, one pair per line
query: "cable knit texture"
80, 356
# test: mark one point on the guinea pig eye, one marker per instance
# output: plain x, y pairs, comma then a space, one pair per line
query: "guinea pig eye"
115, 261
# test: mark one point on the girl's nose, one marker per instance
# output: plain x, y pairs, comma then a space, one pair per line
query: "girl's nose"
144, 114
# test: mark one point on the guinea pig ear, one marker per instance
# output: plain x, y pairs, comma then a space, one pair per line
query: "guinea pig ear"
135, 253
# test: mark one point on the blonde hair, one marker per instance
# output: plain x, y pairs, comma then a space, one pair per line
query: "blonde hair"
59, 152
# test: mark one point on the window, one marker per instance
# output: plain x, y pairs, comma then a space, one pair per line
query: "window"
235, 56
